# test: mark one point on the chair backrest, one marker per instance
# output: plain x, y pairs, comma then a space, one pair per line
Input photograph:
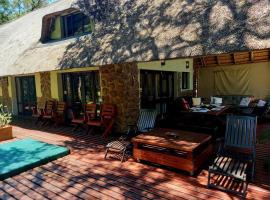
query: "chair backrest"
49, 107
241, 132
108, 111
90, 111
61, 107
147, 119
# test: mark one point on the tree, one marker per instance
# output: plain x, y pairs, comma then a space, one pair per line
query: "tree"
10, 9
4, 11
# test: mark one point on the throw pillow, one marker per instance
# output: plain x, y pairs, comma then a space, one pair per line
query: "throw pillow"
261, 103
216, 100
245, 101
196, 101
184, 104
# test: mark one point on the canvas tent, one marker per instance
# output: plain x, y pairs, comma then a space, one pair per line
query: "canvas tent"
244, 79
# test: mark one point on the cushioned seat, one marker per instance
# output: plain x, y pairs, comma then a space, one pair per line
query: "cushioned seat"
94, 123
234, 168
78, 121
117, 145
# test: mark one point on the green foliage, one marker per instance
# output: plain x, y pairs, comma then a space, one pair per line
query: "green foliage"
11, 9
5, 117
4, 11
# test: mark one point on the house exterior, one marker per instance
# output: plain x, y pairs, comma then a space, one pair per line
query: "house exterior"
134, 54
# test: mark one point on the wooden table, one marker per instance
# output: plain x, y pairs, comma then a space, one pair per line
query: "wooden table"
174, 148
213, 112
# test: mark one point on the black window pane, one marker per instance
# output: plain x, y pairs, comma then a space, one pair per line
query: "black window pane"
76, 24
69, 26
185, 80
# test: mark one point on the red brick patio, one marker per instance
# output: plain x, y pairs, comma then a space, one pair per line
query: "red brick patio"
84, 174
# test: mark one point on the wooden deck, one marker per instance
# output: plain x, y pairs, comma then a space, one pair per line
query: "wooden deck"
84, 174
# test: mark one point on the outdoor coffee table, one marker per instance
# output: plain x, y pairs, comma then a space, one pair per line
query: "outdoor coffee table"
174, 148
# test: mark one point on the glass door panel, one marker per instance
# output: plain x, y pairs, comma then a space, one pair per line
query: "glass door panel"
26, 94
157, 89
80, 88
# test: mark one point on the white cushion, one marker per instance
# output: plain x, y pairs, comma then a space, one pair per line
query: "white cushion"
196, 101
216, 100
245, 101
261, 103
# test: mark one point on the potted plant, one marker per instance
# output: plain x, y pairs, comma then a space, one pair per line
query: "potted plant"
5, 127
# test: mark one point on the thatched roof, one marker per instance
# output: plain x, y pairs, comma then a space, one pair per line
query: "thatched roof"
136, 30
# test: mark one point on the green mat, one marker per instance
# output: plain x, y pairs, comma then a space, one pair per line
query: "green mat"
25, 154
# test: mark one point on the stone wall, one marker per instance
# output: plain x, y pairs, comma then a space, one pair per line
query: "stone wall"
5, 100
45, 83
120, 86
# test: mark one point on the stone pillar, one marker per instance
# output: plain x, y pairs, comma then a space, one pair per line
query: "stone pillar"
6, 100
45, 83
120, 86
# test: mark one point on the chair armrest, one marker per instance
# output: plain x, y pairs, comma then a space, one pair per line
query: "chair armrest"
131, 131
220, 143
149, 129
220, 139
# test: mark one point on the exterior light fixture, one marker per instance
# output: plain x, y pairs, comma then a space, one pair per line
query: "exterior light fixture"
187, 64
162, 62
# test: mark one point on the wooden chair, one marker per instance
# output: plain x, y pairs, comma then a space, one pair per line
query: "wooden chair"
236, 156
90, 113
59, 113
146, 122
48, 112
106, 121
38, 113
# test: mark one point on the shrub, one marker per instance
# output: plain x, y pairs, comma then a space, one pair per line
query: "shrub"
5, 116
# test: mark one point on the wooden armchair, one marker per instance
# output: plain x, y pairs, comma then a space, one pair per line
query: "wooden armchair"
235, 159
58, 115
90, 112
38, 113
106, 121
47, 113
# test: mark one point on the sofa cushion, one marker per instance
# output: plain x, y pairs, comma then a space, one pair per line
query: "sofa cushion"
216, 100
232, 99
245, 101
196, 101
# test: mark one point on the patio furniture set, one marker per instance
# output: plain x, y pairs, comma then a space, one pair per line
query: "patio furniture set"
52, 112
189, 151
55, 113
180, 149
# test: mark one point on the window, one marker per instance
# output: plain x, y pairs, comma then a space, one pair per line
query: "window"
185, 80
75, 25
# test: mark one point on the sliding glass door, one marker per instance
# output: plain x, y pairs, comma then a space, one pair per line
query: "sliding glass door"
157, 89
26, 94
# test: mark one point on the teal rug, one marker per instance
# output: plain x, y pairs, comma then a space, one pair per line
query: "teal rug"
22, 155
